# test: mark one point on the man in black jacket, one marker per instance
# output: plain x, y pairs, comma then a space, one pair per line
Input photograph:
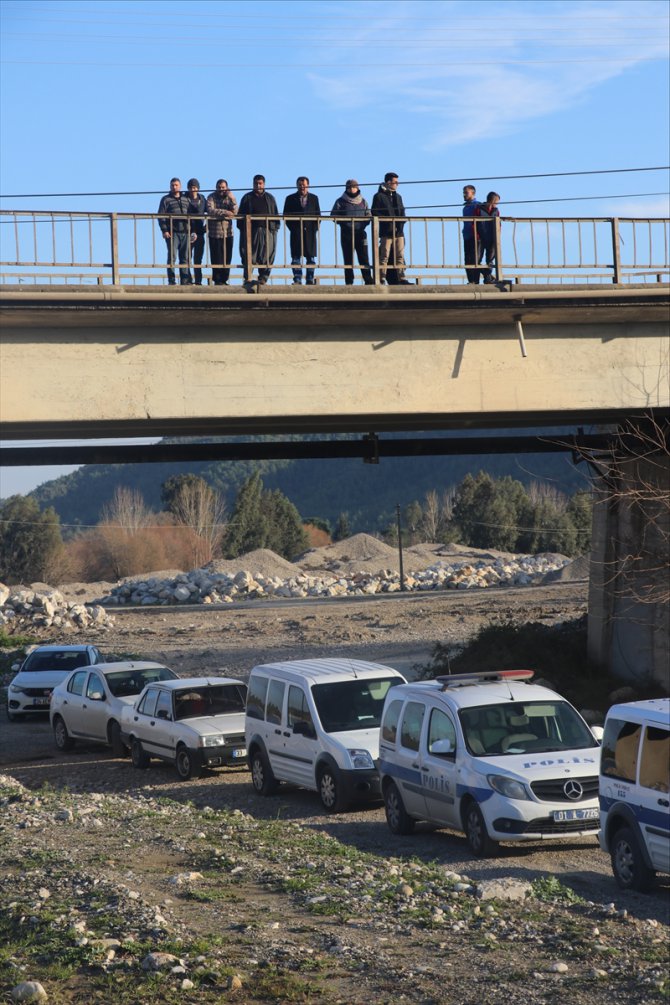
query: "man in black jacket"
388, 204
173, 210
303, 232
197, 206
258, 203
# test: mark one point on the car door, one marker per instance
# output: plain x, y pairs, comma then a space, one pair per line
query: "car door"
654, 795
163, 727
408, 775
144, 721
93, 715
274, 718
439, 767
71, 702
300, 743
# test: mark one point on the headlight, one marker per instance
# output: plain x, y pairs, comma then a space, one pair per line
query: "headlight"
508, 787
216, 740
361, 758
15, 689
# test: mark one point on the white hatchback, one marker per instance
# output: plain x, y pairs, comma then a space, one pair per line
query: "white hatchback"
87, 705
489, 755
43, 668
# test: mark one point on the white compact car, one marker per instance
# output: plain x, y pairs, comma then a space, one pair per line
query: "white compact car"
316, 723
194, 723
489, 755
87, 705
635, 791
42, 669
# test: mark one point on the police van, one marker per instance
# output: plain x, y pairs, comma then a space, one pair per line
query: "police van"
490, 755
635, 791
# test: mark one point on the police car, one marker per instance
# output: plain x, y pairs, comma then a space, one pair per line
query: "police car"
490, 755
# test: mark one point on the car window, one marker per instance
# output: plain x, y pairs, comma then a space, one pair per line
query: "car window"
440, 727
275, 701
126, 682
94, 686
258, 689
164, 703
352, 704
620, 746
390, 723
412, 721
655, 759
76, 683
148, 703
298, 710
222, 699
65, 660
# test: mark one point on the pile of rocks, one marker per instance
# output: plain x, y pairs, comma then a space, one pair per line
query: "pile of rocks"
205, 586
28, 609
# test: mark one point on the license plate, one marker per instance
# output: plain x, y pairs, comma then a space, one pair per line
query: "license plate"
40, 701
240, 752
560, 816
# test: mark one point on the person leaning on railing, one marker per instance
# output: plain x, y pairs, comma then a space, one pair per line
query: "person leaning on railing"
172, 212
486, 212
304, 233
258, 203
352, 233
221, 210
387, 202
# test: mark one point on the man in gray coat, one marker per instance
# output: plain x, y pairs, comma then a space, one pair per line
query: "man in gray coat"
259, 203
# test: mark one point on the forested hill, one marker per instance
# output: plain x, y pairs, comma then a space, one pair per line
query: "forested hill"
368, 493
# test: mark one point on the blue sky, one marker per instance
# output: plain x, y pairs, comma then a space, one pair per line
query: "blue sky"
120, 96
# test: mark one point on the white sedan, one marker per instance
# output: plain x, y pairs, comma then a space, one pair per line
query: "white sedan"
87, 705
194, 723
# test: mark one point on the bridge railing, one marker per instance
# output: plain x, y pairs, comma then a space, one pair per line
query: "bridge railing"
49, 247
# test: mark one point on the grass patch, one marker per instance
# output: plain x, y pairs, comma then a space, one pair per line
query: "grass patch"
550, 890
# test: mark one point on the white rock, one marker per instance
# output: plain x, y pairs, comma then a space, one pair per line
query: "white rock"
29, 991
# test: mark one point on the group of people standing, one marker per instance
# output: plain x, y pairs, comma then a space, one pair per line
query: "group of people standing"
186, 217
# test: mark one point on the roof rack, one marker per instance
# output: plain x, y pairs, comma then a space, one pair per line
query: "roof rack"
486, 677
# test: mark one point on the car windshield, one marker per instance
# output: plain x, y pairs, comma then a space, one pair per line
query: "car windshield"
524, 727
191, 703
126, 682
55, 659
352, 704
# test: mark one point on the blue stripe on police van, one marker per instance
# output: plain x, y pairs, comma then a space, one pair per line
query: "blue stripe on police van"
480, 794
399, 772
656, 819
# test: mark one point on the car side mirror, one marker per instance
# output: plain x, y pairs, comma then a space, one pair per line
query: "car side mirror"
303, 729
15, 667
162, 714
598, 733
441, 747
96, 696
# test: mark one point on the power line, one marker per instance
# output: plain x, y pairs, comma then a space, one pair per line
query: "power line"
338, 185
501, 61
527, 202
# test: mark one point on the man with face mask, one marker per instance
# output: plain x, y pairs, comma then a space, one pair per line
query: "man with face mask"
259, 203
352, 232
173, 210
221, 210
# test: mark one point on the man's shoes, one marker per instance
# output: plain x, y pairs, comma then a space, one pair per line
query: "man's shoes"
369, 282
489, 281
262, 280
310, 282
404, 282
298, 282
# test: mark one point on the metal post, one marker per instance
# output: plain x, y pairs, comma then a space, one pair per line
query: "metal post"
248, 255
114, 234
402, 571
498, 247
616, 251
375, 250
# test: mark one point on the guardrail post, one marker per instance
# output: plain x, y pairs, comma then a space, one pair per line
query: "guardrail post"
375, 249
498, 250
114, 234
248, 254
616, 251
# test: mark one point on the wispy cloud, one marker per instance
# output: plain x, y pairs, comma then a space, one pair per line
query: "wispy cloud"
473, 78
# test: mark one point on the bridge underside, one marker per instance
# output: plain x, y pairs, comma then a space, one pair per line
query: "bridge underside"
88, 364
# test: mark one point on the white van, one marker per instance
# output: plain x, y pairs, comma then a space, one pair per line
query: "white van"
635, 791
315, 723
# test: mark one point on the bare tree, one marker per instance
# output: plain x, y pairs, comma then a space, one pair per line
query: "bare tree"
126, 510
199, 507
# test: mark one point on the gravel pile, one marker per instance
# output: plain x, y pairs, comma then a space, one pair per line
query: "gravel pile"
28, 609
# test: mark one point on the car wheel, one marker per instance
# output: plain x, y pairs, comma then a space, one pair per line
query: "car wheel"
330, 790
138, 755
119, 748
262, 778
185, 764
397, 817
14, 716
62, 738
628, 865
476, 833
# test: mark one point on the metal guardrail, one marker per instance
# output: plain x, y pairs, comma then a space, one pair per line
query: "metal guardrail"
127, 249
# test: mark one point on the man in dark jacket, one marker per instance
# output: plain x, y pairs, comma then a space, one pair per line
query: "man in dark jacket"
388, 203
173, 210
197, 207
486, 213
352, 233
221, 210
259, 203
471, 256
303, 232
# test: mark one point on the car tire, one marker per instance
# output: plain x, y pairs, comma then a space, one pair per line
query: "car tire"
262, 778
138, 755
15, 716
330, 790
481, 845
186, 765
397, 817
628, 865
62, 738
119, 748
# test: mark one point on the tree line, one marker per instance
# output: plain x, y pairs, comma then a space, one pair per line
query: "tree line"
193, 527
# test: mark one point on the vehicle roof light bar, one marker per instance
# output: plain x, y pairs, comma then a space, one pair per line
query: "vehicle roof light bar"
487, 677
